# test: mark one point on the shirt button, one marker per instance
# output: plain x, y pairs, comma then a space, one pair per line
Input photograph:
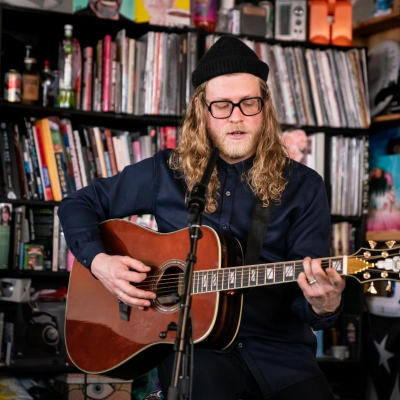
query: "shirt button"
240, 345
228, 193
223, 226
85, 261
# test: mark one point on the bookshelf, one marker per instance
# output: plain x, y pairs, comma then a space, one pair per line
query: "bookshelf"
392, 118
18, 25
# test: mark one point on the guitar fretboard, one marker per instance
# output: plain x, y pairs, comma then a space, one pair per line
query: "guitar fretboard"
256, 275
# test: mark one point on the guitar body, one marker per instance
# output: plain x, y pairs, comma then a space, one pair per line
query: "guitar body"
100, 341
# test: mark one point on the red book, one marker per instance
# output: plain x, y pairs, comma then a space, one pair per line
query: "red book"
106, 72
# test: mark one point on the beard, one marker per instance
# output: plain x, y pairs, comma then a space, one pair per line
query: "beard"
236, 149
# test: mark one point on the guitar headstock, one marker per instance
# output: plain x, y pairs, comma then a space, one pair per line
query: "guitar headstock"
369, 265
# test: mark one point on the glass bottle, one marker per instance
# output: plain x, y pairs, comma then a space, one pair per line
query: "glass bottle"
66, 94
47, 85
30, 78
204, 14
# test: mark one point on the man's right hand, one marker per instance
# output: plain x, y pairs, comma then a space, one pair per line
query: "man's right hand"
117, 272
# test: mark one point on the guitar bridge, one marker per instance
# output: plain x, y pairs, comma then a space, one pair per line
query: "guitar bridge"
124, 311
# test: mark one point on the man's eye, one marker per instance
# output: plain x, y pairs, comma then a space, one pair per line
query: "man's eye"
221, 106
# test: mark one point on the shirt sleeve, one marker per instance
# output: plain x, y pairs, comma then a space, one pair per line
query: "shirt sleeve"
309, 235
131, 192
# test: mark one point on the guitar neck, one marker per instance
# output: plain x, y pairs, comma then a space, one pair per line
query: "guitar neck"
232, 278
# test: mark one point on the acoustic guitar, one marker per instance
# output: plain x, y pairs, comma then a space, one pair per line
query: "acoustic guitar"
106, 336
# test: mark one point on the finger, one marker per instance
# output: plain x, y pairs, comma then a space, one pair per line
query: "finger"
134, 292
317, 271
335, 278
307, 269
134, 301
135, 264
302, 281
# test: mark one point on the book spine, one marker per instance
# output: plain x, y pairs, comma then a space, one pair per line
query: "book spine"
44, 171
56, 240
106, 73
87, 78
95, 153
111, 151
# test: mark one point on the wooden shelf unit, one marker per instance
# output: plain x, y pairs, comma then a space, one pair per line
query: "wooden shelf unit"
376, 25
386, 118
383, 236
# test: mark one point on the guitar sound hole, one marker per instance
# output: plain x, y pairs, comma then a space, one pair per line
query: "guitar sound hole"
169, 287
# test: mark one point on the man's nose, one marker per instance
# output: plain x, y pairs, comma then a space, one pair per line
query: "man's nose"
237, 114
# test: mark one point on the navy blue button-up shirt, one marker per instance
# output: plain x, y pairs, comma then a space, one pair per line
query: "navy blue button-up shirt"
275, 336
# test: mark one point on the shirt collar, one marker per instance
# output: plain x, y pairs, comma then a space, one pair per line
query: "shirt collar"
240, 167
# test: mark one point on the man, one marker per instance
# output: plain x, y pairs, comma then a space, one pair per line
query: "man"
103, 9
274, 352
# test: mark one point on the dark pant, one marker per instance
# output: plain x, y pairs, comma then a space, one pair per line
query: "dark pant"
225, 376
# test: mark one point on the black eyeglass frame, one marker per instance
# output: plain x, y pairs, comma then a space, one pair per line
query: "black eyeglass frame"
233, 106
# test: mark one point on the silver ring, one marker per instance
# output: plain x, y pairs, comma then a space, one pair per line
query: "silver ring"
312, 282
120, 296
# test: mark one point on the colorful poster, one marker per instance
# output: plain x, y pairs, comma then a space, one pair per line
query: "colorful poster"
163, 12
384, 194
110, 9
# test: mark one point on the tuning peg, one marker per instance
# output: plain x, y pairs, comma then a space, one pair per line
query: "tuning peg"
385, 254
390, 243
367, 254
372, 289
388, 287
372, 243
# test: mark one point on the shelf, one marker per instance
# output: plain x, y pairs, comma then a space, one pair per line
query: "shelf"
30, 202
382, 236
39, 369
376, 25
328, 130
89, 117
17, 273
342, 218
386, 118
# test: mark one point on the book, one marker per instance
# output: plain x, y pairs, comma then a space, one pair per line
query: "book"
44, 126
5, 234
33, 257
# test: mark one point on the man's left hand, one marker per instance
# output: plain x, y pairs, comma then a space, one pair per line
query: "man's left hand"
322, 288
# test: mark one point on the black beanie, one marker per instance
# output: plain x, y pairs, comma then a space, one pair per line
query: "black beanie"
228, 55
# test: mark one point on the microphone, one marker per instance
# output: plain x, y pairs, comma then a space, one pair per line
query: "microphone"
197, 198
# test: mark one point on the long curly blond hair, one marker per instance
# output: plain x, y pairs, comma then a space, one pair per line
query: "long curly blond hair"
190, 157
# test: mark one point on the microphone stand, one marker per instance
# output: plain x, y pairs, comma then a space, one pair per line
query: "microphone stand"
181, 384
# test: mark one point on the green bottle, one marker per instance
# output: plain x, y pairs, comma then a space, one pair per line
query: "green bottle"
66, 95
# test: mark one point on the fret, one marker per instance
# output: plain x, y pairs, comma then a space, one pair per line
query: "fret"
220, 279
270, 275
253, 276
214, 280
260, 274
239, 277
289, 272
231, 278
225, 281
209, 280
204, 282
194, 288
298, 270
337, 265
279, 277
246, 273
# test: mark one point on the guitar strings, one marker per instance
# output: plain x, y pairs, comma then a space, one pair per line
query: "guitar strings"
277, 266
174, 281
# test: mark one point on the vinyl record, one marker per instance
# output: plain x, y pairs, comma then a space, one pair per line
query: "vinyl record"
383, 72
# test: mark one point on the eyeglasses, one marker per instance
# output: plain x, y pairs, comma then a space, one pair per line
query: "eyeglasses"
224, 109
